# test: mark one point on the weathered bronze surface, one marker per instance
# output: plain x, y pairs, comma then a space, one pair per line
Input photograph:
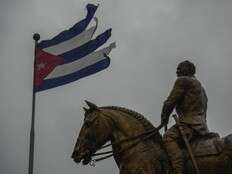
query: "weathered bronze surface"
143, 155
189, 99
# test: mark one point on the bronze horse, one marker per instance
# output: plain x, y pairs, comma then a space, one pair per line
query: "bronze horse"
135, 149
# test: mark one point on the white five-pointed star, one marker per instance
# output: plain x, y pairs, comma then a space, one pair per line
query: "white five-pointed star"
40, 66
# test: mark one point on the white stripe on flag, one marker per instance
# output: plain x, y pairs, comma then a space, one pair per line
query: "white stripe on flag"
70, 44
79, 64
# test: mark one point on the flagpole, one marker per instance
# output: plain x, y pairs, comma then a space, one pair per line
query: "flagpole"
36, 38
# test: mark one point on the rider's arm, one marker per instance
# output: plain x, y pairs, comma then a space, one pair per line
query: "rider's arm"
174, 97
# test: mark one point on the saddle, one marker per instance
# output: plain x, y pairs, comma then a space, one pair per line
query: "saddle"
205, 145
202, 145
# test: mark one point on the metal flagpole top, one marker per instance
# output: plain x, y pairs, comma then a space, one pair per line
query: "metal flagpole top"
36, 36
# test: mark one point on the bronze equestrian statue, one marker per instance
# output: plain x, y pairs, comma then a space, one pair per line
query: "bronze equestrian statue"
138, 147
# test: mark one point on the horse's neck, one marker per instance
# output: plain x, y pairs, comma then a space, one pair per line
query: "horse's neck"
126, 127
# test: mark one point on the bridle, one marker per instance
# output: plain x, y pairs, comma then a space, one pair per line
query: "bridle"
144, 136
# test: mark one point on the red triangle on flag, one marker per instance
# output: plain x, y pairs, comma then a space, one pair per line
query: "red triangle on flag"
44, 65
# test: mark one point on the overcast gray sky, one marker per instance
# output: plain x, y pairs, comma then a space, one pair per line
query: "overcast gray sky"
152, 37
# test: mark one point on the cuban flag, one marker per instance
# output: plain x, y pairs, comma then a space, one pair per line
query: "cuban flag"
72, 54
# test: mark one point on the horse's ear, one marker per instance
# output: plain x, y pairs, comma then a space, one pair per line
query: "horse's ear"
85, 109
91, 105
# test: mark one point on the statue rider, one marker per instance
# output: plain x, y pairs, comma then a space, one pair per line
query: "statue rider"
189, 99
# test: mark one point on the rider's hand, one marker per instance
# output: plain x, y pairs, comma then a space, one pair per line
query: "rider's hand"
164, 120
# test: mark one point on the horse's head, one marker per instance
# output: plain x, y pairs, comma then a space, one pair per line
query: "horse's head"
94, 133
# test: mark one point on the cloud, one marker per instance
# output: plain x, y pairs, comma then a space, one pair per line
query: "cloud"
152, 38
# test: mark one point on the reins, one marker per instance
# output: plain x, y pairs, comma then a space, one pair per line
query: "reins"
144, 136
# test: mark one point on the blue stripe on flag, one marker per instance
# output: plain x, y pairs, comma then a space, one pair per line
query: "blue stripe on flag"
73, 31
51, 83
87, 48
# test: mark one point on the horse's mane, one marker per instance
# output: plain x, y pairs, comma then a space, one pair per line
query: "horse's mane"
146, 124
